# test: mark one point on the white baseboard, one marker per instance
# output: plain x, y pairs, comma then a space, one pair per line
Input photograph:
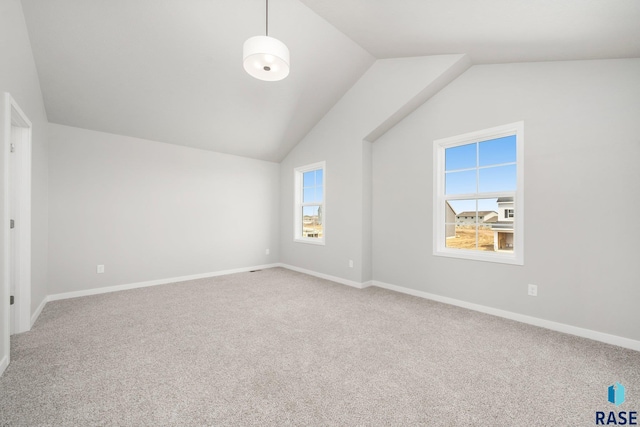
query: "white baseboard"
107, 289
347, 282
548, 324
36, 313
3, 364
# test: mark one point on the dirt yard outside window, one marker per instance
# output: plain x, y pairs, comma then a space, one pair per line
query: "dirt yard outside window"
466, 238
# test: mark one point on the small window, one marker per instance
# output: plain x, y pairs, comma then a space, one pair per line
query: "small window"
480, 173
309, 204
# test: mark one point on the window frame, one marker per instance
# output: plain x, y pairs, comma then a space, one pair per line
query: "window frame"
439, 198
298, 174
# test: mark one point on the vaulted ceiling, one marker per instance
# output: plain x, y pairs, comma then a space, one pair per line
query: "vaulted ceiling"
171, 70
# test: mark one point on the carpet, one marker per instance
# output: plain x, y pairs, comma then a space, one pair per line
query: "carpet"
277, 347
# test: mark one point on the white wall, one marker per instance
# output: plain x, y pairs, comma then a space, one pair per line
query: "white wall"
389, 89
18, 76
148, 210
582, 154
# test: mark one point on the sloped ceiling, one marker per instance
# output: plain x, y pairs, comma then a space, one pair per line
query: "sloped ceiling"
489, 31
171, 70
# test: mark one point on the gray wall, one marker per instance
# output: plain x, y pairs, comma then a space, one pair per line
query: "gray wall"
582, 150
148, 210
370, 107
18, 76
367, 205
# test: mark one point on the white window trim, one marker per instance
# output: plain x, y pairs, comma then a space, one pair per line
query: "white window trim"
439, 228
297, 204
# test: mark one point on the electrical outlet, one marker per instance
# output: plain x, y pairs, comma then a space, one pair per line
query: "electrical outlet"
100, 269
533, 290
267, 251
350, 263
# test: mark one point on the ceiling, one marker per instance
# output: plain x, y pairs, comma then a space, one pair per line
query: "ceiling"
171, 70
489, 31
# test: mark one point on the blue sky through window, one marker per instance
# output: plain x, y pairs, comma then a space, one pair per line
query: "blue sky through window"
460, 157
312, 190
310, 210
487, 166
498, 151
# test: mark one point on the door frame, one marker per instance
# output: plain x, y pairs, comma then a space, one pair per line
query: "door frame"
17, 128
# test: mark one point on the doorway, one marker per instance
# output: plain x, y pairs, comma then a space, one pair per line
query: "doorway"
16, 277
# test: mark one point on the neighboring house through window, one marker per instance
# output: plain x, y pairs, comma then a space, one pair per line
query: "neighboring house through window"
480, 176
309, 204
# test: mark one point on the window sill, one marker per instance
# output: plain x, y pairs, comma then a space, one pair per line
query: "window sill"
319, 242
500, 257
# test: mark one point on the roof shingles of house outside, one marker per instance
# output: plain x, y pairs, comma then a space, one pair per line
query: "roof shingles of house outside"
504, 199
473, 213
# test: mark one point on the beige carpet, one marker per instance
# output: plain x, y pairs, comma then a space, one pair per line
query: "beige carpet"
278, 348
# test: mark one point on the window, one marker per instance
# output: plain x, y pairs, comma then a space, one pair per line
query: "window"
480, 174
309, 215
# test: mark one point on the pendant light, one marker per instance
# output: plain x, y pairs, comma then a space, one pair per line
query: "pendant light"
266, 58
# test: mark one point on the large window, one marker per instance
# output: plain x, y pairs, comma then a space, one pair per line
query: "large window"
310, 214
478, 195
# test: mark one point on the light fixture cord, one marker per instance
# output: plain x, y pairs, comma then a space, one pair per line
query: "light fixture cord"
267, 14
